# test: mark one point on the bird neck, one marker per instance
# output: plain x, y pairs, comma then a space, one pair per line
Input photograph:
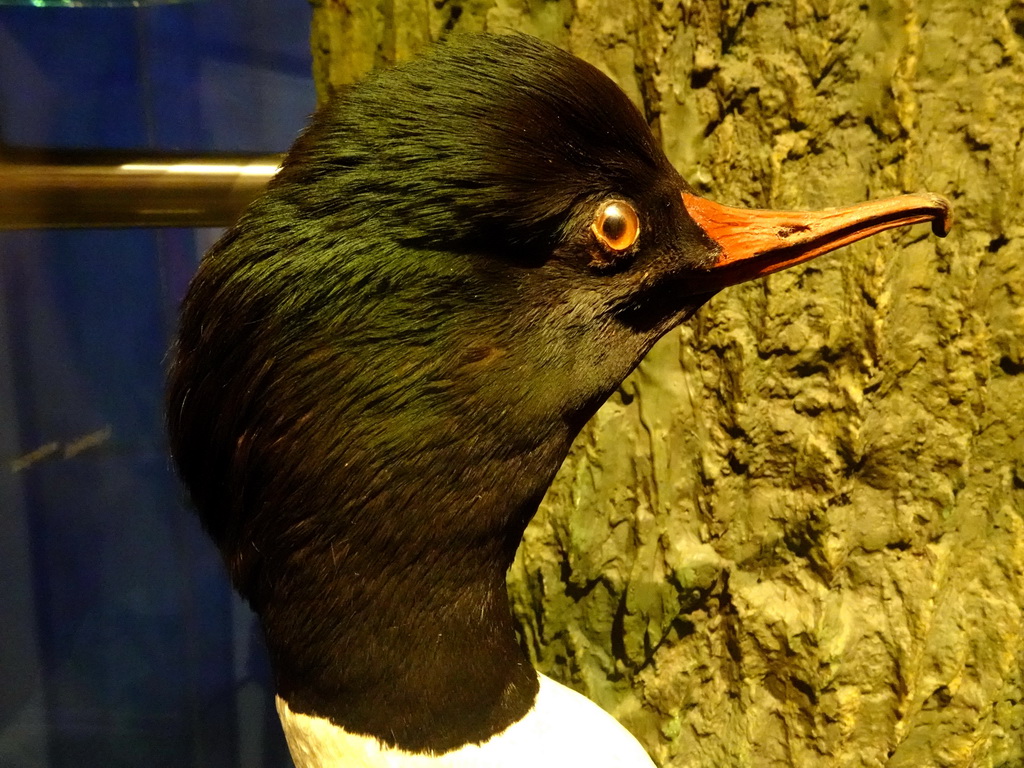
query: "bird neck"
403, 631
382, 594
419, 665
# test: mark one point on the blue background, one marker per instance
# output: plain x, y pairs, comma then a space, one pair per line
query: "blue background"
121, 643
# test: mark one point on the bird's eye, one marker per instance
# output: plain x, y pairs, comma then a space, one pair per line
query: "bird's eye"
617, 226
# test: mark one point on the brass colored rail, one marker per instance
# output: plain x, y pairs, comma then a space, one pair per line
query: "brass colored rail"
42, 188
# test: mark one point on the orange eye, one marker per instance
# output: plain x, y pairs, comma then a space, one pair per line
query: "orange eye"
617, 226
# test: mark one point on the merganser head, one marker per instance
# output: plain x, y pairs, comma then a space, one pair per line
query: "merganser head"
382, 365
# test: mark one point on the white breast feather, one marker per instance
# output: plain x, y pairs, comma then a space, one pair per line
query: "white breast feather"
563, 730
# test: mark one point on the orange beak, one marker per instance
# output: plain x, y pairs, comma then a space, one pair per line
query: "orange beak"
755, 243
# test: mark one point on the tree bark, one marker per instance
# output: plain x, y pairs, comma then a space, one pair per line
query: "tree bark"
794, 537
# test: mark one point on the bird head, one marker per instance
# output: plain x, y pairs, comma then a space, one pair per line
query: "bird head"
382, 365
462, 257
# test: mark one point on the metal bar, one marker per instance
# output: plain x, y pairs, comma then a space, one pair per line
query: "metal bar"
42, 188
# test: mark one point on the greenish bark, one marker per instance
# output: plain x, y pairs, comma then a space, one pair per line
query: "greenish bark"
794, 537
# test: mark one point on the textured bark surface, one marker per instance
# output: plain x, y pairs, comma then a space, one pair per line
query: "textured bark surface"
795, 536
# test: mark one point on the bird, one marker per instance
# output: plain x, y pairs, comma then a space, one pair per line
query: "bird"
380, 367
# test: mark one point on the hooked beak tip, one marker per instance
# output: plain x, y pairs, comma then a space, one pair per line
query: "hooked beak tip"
942, 223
